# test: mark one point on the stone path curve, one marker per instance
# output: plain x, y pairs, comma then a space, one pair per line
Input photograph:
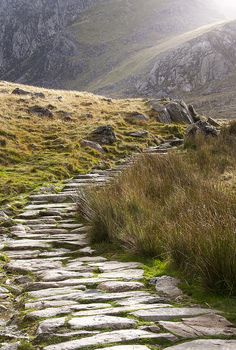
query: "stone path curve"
65, 297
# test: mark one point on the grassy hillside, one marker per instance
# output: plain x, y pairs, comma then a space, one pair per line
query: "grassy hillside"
38, 150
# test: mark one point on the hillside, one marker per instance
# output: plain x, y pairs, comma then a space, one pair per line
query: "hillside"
41, 134
202, 69
75, 44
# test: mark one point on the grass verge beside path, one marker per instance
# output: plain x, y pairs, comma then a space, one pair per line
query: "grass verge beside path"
180, 208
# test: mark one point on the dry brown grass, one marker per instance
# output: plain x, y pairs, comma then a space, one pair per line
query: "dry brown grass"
36, 150
177, 208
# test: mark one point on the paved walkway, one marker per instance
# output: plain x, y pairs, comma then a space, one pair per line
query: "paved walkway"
59, 295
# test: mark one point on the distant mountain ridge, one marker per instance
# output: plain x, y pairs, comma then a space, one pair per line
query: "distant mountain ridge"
110, 47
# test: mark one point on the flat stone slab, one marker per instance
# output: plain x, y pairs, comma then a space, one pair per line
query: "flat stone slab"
56, 291
127, 347
64, 310
101, 322
109, 266
32, 265
201, 326
119, 310
128, 275
145, 299
117, 286
60, 275
25, 244
169, 313
121, 336
208, 344
39, 305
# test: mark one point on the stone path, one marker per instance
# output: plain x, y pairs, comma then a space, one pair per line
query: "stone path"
57, 294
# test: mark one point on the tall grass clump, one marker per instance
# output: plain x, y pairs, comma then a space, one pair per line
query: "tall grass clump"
176, 208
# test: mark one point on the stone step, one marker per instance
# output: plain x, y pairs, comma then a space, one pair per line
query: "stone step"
171, 313
208, 344
106, 338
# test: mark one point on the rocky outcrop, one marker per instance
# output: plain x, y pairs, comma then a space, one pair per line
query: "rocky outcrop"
195, 66
103, 135
203, 128
169, 111
51, 43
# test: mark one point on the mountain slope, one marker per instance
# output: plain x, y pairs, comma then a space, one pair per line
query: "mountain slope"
202, 68
75, 43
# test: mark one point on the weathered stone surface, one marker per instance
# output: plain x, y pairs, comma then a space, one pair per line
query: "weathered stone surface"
104, 135
112, 311
168, 286
136, 117
117, 286
201, 128
138, 134
60, 275
101, 322
26, 244
110, 338
93, 145
169, 313
206, 325
171, 111
209, 344
127, 275
109, 266
127, 347
41, 111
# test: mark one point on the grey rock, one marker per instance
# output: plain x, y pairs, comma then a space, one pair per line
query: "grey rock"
136, 117
168, 286
93, 145
201, 326
19, 91
104, 135
113, 311
209, 344
121, 336
41, 111
201, 128
138, 134
101, 322
127, 347
118, 286
171, 111
169, 313
64, 310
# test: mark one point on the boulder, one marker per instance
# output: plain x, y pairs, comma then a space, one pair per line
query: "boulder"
103, 135
19, 91
136, 117
138, 134
171, 111
92, 145
38, 95
167, 286
201, 128
41, 111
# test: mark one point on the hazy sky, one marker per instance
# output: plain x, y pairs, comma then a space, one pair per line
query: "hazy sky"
228, 6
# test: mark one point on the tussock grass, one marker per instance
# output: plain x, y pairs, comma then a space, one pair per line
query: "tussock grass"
177, 208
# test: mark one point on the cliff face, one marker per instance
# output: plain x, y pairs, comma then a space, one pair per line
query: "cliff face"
202, 70
76, 43
33, 42
199, 64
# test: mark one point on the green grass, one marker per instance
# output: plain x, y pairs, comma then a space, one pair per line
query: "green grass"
178, 208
